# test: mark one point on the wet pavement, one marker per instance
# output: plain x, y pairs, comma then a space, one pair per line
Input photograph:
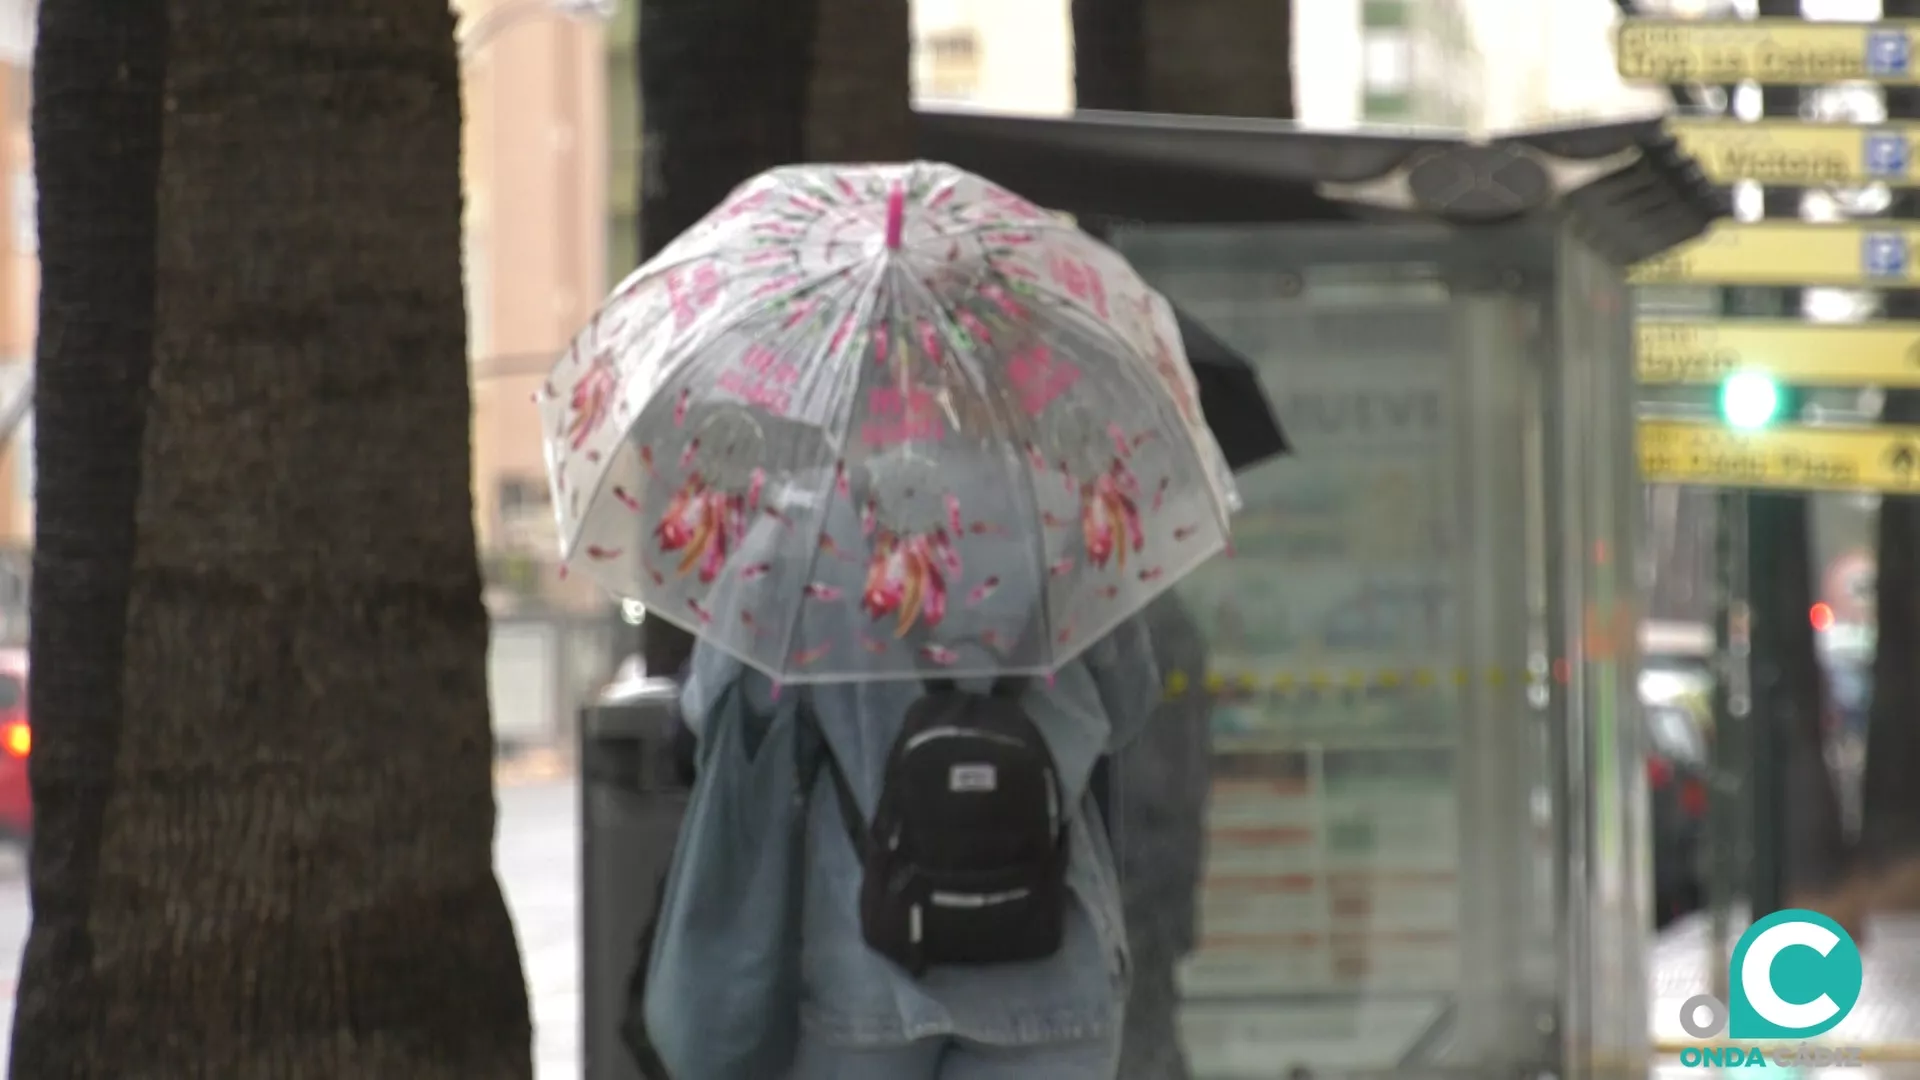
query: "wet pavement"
1885, 1022
538, 859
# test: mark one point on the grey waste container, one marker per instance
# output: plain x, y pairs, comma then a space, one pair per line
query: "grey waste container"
631, 802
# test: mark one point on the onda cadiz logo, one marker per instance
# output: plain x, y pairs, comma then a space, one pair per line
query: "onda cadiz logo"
1794, 975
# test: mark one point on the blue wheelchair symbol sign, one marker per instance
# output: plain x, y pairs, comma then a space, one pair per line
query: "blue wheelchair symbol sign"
1889, 53
1886, 155
1884, 255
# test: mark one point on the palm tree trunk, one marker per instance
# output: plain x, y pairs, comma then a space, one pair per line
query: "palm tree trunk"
1197, 57
860, 88
731, 88
722, 97
98, 71
292, 799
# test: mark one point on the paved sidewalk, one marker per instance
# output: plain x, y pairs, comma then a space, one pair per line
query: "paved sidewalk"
538, 856
1887, 1017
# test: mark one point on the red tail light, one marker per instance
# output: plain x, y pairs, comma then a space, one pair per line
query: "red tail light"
1693, 798
16, 738
1659, 773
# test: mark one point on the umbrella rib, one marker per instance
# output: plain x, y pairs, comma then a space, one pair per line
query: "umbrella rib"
685, 355
838, 435
950, 331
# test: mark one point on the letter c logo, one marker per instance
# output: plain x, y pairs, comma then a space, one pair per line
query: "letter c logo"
1795, 974
1756, 974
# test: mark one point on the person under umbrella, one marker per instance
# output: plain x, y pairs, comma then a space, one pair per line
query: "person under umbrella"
908, 456
864, 1016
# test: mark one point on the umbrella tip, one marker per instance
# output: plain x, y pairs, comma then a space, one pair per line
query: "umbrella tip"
896, 215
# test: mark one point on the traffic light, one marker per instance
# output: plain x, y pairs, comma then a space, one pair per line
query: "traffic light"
1749, 400
1822, 617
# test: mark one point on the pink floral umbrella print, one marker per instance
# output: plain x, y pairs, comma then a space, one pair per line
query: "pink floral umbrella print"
884, 422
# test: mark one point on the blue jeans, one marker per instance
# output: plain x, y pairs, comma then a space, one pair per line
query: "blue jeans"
955, 1059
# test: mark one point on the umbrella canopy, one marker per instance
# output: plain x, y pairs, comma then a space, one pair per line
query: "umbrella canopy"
886, 421
1231, 397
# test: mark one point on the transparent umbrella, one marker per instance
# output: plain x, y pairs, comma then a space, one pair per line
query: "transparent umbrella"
883, 422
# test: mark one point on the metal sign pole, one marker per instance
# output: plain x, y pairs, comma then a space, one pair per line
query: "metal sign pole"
1732, 733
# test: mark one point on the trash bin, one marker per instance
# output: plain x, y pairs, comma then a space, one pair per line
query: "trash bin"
631, 802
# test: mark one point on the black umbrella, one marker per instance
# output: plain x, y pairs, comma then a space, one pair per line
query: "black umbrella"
1235, 405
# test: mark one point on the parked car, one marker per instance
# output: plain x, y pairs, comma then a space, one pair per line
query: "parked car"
1677, 779
16, 746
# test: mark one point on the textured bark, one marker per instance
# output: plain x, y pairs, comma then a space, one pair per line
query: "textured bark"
1200, 57
292, 872
1219, 57
723, 92
722, 97
97, 73
860, 91
1110, 54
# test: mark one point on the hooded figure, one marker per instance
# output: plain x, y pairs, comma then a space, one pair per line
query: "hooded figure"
863, 1018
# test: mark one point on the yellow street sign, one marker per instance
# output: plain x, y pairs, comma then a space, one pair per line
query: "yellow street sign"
1809, 354
1803, 155
1789, 253
1778, 52
1800, 458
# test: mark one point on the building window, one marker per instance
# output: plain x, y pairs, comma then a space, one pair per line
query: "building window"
1396, 108
19, 90
525, 512
25, 476
473, 256
949, 65
1388, 62
26, 212
1383, 13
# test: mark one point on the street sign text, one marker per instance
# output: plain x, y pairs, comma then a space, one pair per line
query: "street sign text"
1799, 458
1788, 152
1807, 354
1789, 253
1773, 51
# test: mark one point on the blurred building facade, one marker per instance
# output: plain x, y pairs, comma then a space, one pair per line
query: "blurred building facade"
1387, 62
1013, 56
19, 311
536, 168
1553, 63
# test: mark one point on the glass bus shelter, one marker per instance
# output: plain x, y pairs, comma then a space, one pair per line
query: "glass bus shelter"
1426, 847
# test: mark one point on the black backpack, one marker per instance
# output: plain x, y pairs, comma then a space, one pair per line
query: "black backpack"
965, 860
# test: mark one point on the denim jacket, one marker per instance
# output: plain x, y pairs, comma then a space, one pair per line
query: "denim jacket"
855, 997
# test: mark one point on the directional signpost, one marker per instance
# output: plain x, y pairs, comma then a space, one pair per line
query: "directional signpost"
1794, 154
1755, 362
1790, 253
1780, 52
1796, 458
1801, 353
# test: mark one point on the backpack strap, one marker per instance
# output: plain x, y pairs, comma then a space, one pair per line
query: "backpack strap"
850, 815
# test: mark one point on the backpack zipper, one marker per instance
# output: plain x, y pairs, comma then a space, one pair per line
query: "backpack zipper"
951, 732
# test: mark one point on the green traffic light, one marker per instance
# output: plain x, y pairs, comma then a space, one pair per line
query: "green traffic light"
1749, 400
